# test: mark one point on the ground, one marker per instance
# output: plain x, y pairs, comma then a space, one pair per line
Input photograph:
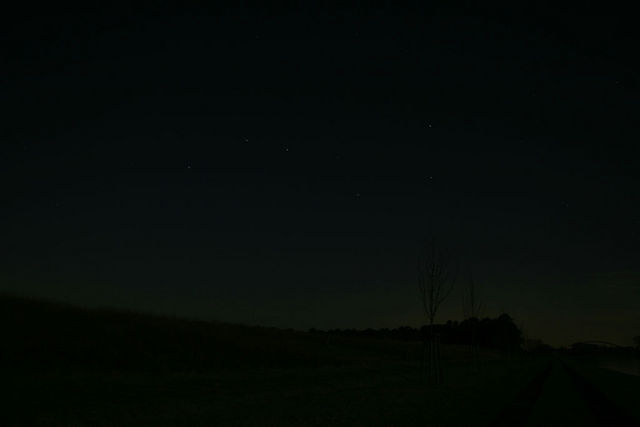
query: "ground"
364, 395
67, 367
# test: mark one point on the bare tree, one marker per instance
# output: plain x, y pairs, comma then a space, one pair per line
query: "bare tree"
472, 305
437, 273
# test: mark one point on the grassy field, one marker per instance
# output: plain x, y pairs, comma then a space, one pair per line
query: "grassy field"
373, 394
65, 366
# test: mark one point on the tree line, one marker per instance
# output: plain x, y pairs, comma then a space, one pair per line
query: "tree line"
500, 333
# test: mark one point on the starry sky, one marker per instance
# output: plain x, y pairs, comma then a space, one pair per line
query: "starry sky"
280, 167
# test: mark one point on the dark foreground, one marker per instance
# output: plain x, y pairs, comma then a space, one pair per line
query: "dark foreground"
535, 392
62, 366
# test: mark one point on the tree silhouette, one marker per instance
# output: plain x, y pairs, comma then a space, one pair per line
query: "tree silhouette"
437, 273
472, 305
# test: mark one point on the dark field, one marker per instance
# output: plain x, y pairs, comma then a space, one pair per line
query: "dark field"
67, 366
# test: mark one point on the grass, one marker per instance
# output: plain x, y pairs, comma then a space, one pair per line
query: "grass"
385, 394
67, 366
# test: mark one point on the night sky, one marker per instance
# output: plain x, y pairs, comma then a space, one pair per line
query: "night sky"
280, 167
